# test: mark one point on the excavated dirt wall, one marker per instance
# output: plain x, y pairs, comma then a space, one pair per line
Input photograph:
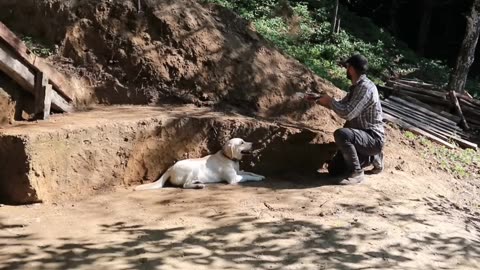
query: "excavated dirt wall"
78, 155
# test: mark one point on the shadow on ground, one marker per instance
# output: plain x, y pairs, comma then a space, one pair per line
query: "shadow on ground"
244, 242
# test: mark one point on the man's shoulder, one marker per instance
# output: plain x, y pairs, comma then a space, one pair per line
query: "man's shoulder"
367, 83
366, 80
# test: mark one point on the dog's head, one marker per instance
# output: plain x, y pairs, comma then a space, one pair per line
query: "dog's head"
236, 148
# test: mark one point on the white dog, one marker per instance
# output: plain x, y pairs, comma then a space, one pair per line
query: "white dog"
221, 166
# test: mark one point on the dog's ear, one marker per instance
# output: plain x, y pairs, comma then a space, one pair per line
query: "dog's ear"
233, 154
228, 150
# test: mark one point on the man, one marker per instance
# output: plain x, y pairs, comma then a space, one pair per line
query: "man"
360, 141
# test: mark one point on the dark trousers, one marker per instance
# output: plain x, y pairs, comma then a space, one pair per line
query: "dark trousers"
356, 150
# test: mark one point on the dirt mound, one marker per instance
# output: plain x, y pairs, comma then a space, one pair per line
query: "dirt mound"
168, 51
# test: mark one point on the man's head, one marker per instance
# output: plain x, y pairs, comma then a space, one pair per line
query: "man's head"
356, 65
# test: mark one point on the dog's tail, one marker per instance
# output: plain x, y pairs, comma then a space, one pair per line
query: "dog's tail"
157, 184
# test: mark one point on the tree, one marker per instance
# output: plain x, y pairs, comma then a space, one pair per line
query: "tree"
428, 7
466, 56
424, 28
335, 19
393, 25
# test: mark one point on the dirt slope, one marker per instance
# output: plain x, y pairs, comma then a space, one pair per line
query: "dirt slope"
167, 51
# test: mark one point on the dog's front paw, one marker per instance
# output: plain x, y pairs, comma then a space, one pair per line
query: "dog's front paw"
199, 186
261, 178
194, 185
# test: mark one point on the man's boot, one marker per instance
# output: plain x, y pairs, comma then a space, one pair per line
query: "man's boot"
378, 164
355, 178
351, 158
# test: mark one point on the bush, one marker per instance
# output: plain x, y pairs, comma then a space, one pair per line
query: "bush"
306, 36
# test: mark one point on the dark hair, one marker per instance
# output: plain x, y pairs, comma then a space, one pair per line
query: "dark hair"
358, 62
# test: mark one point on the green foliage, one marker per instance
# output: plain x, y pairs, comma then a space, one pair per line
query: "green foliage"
409, 136
37, 47
313, 44
459, 163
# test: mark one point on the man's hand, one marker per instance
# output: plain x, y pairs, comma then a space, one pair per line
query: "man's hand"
325, 101
322, 99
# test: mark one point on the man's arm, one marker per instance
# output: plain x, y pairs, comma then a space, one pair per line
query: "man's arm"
353, 107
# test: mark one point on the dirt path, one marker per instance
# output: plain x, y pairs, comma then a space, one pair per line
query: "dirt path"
394, 221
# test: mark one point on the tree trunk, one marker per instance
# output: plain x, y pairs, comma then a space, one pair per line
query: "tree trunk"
466, 56
393, 17
335, 17
424, 28
338, 26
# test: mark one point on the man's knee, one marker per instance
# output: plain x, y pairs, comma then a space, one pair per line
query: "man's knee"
342, 136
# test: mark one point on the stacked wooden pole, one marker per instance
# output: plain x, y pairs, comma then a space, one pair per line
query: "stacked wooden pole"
426, 109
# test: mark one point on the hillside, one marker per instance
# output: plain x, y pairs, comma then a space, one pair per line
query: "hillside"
168, 52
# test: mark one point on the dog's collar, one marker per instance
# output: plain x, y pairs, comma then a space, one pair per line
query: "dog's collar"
232, 159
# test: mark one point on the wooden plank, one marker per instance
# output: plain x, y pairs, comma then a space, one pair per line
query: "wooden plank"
402, 86
471, 108
453, 118
43, 96
441, 134
420, 84
416, 130
389, 91
465, 144
423, 109
58, 80
40, 94
450, 116
15, 69
469, 103
48, 101
438, 124
423, 98
10, 38
434, 131
418, 114
11, 65
60, 104
424, 123
419, 117
469, 99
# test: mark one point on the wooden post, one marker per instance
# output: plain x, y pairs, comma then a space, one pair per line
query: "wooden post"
43, 96
14, 68
59, 81
458, 109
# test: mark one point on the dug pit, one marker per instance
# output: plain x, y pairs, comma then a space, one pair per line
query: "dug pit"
73, 156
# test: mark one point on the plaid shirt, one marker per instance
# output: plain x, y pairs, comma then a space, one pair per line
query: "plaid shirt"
361, 107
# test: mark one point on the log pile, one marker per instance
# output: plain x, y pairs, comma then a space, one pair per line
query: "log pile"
426, 109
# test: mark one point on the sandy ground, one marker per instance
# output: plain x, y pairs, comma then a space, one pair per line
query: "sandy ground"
393, 221
405, 218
